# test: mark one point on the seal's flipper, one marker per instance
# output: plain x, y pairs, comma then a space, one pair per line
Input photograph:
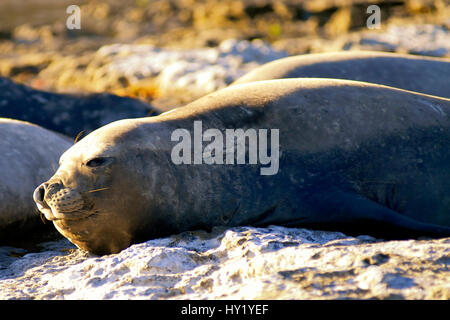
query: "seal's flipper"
355, 215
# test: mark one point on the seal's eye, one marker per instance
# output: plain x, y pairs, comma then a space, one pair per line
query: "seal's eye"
97, 162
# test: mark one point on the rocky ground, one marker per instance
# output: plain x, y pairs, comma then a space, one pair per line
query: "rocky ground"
171, 52
239, 263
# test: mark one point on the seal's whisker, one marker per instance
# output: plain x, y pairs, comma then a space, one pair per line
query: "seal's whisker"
78, 137
95, 190
41, 215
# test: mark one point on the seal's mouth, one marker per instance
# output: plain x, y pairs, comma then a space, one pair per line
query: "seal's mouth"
53, 215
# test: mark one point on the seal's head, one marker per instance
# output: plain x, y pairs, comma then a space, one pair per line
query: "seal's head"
96, 198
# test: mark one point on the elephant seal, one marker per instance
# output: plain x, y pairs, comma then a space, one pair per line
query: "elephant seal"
410, 72
353, 157
29, 154
68, 114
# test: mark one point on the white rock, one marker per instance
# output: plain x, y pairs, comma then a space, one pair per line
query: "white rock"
425, 39
193, 73
239, 263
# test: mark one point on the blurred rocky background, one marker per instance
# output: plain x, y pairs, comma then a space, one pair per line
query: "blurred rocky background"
173, 51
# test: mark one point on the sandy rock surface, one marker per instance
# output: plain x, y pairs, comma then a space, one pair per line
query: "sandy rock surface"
239, 263
426, 40
187, 74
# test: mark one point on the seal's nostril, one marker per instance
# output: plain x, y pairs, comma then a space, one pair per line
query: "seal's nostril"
39, 194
